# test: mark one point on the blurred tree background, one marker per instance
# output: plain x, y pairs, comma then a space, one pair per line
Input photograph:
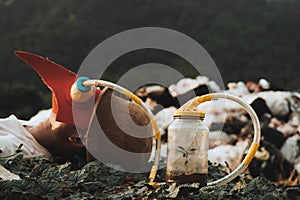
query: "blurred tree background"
247, 39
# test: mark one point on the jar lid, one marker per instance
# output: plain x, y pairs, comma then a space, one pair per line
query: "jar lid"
195, 113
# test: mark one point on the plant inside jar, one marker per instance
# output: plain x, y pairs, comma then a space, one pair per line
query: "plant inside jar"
186, 153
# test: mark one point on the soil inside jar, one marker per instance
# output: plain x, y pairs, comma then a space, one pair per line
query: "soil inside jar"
191, 178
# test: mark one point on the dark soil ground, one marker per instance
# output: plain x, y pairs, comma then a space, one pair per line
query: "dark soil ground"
45, 179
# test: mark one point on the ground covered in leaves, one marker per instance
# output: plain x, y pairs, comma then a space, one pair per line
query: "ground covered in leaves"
45, 179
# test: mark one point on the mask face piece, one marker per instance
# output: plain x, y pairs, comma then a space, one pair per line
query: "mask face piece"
60, 80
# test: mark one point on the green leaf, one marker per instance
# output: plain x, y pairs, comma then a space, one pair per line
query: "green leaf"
181, 148
186, 162
38, 170
50, 189
192, 149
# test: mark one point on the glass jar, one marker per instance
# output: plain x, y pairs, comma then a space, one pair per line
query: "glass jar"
187, 160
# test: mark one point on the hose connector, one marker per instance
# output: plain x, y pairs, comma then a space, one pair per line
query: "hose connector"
192, 104
81, 93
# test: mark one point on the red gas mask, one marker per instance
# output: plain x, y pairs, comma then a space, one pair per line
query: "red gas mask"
60, 80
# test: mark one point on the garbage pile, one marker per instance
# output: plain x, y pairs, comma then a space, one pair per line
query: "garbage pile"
278, 158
